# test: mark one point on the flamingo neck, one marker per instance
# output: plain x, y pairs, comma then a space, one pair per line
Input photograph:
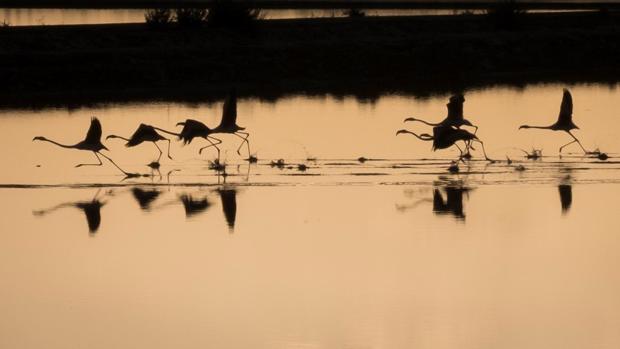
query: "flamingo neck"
538, 127
58, 144
115, 136
423, 121
168, 132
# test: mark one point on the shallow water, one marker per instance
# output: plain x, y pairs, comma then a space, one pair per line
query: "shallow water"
393, 252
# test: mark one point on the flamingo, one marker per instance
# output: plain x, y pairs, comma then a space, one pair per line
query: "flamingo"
229, 123
193, 129
455, 118
92, 142
455, 115
565, 121
446, 136
146, 133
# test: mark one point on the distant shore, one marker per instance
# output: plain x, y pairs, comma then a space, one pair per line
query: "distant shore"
311, 4
363, 57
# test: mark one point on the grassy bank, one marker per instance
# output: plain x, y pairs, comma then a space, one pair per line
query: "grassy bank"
361, 56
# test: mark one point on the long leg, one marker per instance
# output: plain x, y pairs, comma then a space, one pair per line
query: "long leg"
99, 164
169, 157
245, 140
484, 151
208, 138
567, 144
160, 152
576, 140
115, 165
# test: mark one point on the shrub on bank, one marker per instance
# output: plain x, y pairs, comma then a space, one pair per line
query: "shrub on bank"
226, 13
190, 17
158, 18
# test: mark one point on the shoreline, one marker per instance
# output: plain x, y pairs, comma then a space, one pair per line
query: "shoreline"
361, 57
308, 4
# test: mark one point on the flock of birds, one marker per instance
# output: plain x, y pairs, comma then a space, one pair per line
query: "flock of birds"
147, 133
446, 133
449, 131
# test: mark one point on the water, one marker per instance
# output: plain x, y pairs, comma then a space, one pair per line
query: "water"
394, 252
27, 16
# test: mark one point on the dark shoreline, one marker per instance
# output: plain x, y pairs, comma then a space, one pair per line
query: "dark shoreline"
365, 58
307, 4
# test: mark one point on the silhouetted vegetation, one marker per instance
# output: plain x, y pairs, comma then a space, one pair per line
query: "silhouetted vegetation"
354, 13
506, 14
190, 17
226, 13
158, 18
368, 57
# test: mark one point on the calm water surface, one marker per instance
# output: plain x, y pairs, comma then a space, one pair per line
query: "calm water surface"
394, 252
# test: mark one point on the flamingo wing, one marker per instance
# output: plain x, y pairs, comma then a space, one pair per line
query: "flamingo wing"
94, 132
566, 108
229, 112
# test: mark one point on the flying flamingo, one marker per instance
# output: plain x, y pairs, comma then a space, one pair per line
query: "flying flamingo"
194, 128
92, 142
229, 123
455, 115
455, 118
446, 136
146, 133
565, 121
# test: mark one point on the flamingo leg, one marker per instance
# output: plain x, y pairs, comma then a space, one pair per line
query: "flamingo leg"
115, 165
169, 157
567, 144
245, 140
208, 138
484, 151
160, 152
99, 164
576, 140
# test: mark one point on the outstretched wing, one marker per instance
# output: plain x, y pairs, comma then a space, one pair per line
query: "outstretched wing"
566, 109
142, 134
191, 129
94, 132
229, 111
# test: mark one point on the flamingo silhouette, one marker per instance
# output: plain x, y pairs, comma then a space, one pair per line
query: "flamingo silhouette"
228, 124
565, 121
446, 136
92, 142
193, 129
146, 133
455, 116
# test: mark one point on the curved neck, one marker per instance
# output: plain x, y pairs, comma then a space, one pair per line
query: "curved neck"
538, 127
58, 144
115, 136
422, 121
421, 137
168, 132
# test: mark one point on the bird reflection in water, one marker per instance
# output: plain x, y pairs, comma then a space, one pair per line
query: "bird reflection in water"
229, 206
566, 197
451, 205
145, 197
91, 209
194, 206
